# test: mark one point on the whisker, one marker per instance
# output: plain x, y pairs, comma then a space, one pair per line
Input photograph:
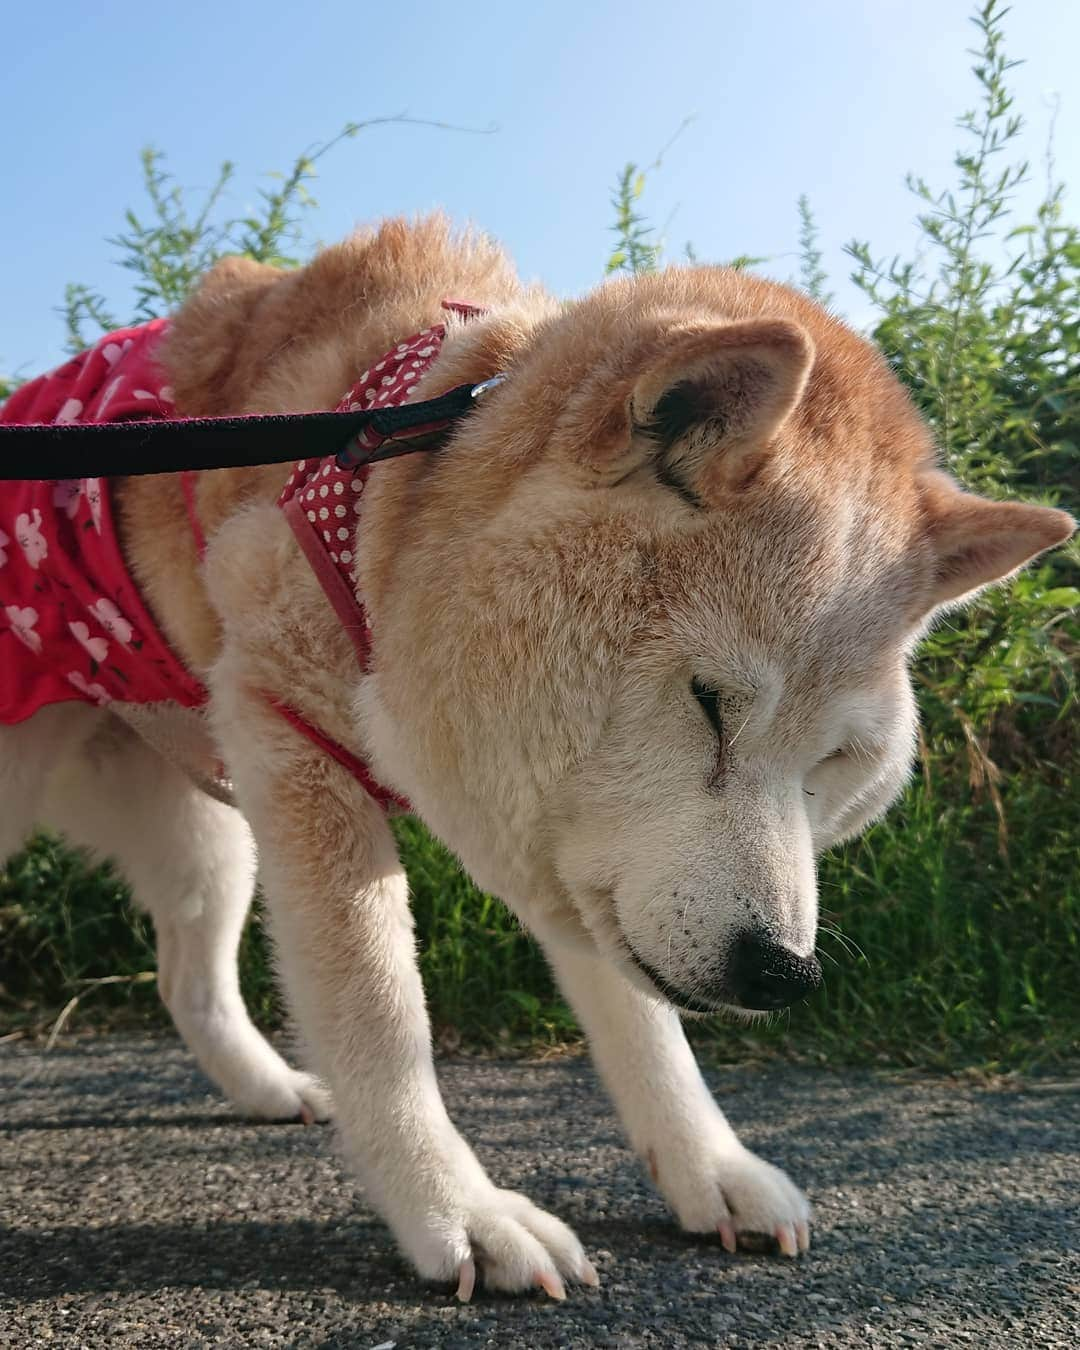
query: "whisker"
850, 946
740, 731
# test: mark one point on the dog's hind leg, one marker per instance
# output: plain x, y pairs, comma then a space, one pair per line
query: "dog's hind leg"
190, 861
30, 752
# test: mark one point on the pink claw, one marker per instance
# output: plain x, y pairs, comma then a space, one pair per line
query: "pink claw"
785, 1235
802, 1232
587, 1275
727, 1237
307, 1115
551, 1285
466, 1280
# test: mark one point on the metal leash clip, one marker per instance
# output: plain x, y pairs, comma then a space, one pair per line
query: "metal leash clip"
486, 386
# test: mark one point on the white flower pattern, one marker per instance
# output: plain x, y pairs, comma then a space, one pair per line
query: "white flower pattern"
92, 489
66, 496
30, 539
70, 411
100, 695
110, 393
112, 620
22, 623
96, 647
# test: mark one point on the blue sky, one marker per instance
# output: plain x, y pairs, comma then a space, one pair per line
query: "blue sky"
835, 98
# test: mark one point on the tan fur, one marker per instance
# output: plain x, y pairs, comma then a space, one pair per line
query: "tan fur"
691, 480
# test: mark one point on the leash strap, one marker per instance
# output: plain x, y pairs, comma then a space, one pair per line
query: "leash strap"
351, 763
124, 449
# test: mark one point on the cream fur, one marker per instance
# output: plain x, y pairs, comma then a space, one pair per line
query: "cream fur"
690, 476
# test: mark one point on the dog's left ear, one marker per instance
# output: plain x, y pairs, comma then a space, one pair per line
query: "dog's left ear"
975, 541
713, 402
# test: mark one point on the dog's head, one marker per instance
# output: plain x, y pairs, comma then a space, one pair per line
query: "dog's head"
641, 652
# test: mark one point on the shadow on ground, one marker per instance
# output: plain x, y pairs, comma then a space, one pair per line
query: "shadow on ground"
139, 1212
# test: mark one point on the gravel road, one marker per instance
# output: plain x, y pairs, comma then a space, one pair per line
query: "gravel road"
135, 1211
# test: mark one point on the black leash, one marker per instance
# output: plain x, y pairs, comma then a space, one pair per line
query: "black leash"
174, 445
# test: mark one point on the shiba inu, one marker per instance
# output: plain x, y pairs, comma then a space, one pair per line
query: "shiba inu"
638, 635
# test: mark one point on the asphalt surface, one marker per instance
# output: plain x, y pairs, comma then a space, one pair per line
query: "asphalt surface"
135, 1211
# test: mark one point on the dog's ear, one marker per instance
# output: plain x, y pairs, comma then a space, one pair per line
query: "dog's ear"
975, 541
698, 404
207, 336
713, 402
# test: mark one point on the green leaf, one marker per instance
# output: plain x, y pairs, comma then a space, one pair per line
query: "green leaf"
1061, 597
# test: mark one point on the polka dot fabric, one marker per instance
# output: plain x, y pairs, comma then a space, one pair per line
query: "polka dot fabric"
322, 501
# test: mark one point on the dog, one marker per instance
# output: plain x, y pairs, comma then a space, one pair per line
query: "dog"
639, 635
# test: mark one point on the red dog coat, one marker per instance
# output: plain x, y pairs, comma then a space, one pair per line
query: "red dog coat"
72, 623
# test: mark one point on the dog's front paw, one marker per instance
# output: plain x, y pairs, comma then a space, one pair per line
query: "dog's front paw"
733, 1192
504, 1241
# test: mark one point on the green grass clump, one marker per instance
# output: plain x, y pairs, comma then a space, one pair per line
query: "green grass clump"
485, 978
68, 930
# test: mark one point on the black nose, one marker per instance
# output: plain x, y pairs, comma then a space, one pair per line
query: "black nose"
766, 976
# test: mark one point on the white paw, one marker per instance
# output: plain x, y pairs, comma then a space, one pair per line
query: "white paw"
289, 1095
250, 1072
503, 1241
733, 1192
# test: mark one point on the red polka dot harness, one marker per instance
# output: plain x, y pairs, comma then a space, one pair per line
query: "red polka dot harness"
322, 500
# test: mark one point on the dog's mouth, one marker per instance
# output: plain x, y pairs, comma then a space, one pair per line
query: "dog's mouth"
609, 933
671, 993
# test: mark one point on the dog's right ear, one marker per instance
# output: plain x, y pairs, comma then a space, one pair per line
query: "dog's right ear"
206, 337
713, 403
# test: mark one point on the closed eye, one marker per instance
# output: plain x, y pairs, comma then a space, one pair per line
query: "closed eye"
709, 703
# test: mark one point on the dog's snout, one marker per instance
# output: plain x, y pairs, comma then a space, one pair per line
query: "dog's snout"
765, 976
